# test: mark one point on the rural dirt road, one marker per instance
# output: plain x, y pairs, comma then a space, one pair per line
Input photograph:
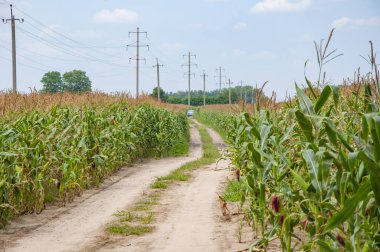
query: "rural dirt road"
71, 227
189, 217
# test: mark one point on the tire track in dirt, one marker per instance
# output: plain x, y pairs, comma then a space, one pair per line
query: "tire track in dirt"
70, 228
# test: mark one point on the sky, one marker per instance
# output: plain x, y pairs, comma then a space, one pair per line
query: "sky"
253, 40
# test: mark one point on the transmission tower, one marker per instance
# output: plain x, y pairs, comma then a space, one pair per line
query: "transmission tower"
189, 73
220, 76
13, 27
137, 57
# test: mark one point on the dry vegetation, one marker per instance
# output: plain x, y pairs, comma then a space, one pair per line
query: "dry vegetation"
11, 103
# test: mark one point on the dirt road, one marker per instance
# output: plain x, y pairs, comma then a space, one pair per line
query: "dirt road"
69, 228
189, 217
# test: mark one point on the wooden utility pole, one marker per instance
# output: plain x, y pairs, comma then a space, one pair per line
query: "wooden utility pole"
137, 57
157, 66
241, 90
14, 64
245, 94
189, 74
229, 91
204, 75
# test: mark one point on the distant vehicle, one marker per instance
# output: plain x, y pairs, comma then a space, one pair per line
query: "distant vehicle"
190, 112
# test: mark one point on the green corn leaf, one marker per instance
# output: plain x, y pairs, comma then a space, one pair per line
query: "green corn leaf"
306, 125
301, 182
255, 155
313, 167
253, 130
247, 118
335, 91
374, 171
349, 207
322, 99
251, 181
344, 142
310, 87
323, 246
264, 132
305, 102
375, 132
331, 132
365, 128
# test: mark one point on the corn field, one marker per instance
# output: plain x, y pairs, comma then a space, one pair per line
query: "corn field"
310, 171
52, 154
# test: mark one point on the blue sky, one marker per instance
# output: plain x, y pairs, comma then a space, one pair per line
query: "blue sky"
254, 41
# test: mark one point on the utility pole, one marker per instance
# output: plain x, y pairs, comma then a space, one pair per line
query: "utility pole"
137, 57
245, 94
229, 91
220, 76
13, 28
157, 66
204, 75
241, 90
189, 65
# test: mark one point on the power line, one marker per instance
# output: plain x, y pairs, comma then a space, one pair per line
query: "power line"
59, 41
22, 56
68, 51
189, 73
137, 57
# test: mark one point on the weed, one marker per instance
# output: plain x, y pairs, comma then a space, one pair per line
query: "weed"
128, 230
232, 191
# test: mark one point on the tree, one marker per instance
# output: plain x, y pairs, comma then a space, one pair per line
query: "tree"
163, 94
52, 82
76, 81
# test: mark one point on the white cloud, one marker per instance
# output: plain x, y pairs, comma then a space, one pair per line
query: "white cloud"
241, 26
351, 23
280, 6
238, 53
341, 22
116, 16
265, 55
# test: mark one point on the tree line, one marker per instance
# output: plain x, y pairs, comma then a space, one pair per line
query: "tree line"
246, 93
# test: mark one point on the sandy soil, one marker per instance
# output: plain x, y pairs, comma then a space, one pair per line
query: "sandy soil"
79, 223
189, 217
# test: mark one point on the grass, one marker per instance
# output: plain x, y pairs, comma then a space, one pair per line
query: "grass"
159, 185
129, 216
181, 148
140, 215
127, 229
232, 191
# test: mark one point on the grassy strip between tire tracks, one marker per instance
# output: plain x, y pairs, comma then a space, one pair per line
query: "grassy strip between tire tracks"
138, 219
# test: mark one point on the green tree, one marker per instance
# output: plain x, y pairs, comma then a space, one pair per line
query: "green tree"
52, 82
76, 81
163, 94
